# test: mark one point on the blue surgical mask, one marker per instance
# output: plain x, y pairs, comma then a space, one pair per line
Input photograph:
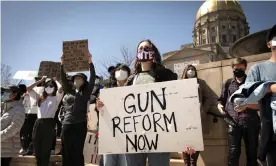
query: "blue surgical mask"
5, 97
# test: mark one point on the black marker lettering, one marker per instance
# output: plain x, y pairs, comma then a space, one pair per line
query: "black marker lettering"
126, 123
153, 94
144, 123
155, 121
134, 144
166, 119
131, 106
139, 102
116, 124
135, 122
139, 142
153, 144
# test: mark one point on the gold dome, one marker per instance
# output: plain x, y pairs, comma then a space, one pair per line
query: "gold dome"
210, 6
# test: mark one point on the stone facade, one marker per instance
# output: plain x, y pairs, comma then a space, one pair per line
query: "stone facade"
215, 134
218, 25
177, 61
220, 22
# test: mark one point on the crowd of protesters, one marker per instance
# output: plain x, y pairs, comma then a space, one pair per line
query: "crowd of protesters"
33, 117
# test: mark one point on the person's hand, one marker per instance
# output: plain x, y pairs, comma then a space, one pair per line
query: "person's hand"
89, 57
62, 58
25, 94
221, 109
273, 88
43, 78
240, 108
99, 103
189, 150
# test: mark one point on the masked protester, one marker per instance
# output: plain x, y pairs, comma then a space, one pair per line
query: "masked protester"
148, 69
11, 120
246, 119
188, 73
122, 72
43, 132
31, 108
266, 71
75, 103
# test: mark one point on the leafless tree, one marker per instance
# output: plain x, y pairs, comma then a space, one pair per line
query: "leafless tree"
6, 75
126, 57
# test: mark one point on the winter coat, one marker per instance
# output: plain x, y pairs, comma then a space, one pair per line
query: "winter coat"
11, 122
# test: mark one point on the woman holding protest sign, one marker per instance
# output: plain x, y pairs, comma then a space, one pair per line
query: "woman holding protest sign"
188, 73
148, 69
44, 128
75, 103
122, 72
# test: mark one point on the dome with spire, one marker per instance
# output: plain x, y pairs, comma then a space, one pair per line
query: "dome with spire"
210, 6
219, 21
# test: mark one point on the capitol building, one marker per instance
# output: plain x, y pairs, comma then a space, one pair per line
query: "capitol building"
219, 24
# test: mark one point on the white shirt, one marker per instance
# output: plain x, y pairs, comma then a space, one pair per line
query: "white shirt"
30, 100
49, 106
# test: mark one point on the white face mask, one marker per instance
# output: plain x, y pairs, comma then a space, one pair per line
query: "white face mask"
190, 73
121, 75
49, 90
78, 83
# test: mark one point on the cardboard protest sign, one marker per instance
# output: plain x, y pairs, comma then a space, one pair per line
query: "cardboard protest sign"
90, 150
25, 75
49, 69
159, 117
75, 55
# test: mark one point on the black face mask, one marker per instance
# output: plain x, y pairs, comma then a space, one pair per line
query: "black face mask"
239, 73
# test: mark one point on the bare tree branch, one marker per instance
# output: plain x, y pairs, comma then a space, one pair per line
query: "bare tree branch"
126, 58
6, 75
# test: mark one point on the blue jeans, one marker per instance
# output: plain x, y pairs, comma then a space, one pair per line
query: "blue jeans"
154, 159
114, 160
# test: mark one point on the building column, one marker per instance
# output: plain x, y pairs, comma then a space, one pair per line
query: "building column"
218, 31
229, 27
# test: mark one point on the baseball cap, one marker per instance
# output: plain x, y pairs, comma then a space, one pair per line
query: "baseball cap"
80, 75
11, 89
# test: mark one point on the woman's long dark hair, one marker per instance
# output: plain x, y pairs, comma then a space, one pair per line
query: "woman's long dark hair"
184, 75
44, 94
157, 56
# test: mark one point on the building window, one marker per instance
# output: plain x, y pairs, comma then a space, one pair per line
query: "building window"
204, 41
233, 27
213, 29
234, 38
241, 29
223, 27
213, 39
224, 40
